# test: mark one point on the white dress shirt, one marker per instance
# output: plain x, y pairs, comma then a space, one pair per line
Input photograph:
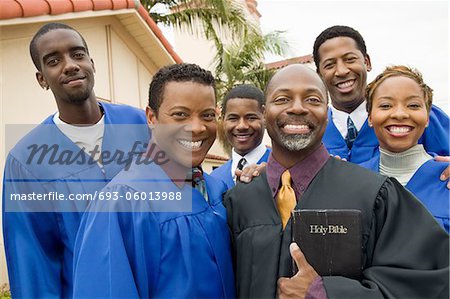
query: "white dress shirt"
252, 158
358, 116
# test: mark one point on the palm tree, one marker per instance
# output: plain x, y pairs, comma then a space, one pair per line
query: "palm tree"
243, 63
238, 62
215, 16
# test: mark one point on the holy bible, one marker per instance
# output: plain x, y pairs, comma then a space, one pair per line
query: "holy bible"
330, 241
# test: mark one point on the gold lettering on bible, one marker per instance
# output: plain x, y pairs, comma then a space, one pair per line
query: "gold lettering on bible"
329, 229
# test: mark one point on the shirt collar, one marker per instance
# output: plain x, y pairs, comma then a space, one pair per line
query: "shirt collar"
302, 173
358, 116
252, 157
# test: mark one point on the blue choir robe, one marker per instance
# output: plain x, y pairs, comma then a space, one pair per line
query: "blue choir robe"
149, 254
427, 187
39, 236
435, 139
223, 172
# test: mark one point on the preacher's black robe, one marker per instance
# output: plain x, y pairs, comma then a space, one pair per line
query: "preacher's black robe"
405, 251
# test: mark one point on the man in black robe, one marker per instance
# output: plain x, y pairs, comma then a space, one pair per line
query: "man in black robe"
405, 251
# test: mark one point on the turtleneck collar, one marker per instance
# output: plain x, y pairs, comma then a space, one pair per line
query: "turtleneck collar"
402, 166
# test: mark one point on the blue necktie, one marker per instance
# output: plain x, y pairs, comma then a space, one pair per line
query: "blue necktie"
198, 182
351, 133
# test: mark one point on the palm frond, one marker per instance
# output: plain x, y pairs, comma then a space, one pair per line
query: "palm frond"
243, 62
216, 16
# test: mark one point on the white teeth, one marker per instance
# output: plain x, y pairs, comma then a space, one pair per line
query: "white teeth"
399, 130
190, 144
242, 136
296, 127
346, 84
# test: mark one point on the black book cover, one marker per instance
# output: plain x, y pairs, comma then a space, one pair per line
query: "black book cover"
330, 240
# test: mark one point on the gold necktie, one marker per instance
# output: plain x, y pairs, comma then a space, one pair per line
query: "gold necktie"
286, 198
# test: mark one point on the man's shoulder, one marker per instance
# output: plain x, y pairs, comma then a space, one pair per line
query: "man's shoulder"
432, 167
345, 167
121, 107
348, 181
212, 179
435, 110
222, 169
42, 133
372, 163
223, 173
259, 185
131, 190
215, 186
140, 173
121, 113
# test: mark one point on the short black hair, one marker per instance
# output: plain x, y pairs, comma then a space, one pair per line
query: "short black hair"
184, 72
338, 31
43, 30
243, 91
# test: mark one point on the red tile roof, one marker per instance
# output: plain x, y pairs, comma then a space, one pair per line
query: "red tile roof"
252, 7
216, 157
283, 63
10, 9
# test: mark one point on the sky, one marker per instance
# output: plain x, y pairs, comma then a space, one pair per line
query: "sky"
396, 32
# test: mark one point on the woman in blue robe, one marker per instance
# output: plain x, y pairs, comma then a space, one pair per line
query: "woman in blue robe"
399, 103
435, 138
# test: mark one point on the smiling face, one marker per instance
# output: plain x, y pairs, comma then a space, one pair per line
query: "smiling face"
296, 111
66, 67
186, 121
243, 124
344, 70
399, 113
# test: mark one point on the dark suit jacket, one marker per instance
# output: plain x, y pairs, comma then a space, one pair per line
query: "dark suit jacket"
400, 238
